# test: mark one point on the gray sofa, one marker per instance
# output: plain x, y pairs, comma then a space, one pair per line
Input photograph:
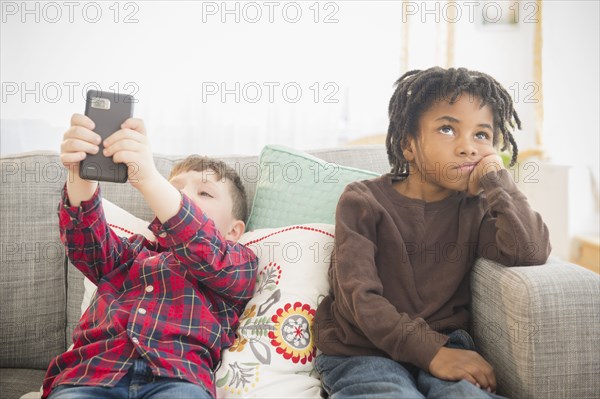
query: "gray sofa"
538, 326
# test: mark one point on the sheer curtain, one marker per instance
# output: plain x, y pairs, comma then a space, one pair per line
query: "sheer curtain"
210, 77
230, 77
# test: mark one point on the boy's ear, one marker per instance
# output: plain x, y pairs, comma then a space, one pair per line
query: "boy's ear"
408, 149
236, 229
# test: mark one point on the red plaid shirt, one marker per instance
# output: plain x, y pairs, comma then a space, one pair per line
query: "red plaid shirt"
174, 302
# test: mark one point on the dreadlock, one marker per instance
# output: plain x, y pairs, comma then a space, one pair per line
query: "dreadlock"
417, 90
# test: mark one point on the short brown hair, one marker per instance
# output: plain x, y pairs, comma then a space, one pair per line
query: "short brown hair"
223, 171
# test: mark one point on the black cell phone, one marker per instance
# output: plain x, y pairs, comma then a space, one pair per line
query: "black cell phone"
108, 111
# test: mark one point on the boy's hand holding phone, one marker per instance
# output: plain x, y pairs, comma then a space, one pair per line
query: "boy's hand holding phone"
128, 145
108, 144
131, 146
78, 141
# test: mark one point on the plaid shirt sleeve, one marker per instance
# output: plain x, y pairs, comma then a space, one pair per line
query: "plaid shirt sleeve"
224, 267
91, 245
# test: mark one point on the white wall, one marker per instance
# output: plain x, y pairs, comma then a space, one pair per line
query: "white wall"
571, 83
571, 122
168, 53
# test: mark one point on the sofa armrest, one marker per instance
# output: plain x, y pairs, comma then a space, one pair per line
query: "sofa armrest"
539, 328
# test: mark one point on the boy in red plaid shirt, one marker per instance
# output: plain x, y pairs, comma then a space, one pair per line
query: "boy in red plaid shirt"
164, 310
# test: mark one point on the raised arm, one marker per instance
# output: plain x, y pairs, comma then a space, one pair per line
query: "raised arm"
91, 245
225, 267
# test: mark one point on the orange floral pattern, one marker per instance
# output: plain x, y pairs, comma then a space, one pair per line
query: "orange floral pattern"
292, 336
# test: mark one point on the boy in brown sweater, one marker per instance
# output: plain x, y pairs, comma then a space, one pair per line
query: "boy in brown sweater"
394, 323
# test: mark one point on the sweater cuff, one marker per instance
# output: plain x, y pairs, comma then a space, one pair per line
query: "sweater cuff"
495, 181
426, 344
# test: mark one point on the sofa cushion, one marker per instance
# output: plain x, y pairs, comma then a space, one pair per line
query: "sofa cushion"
296, 187
18, 382
32, 279
273, 355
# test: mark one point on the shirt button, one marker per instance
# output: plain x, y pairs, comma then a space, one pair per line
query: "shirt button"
142, 311
149, 288
162, 235
135, 340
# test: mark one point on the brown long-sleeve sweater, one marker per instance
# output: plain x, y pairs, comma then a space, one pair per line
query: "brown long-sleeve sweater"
400, 270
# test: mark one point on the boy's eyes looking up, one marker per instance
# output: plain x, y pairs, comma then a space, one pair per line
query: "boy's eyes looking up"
449, 124
483, 135
449, 130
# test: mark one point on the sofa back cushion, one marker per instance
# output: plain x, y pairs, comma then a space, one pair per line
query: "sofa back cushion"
32, 267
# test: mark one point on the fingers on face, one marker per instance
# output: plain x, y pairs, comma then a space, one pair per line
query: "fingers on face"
473, 184
493, 154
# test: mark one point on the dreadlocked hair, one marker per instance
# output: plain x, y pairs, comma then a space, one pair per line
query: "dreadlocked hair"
417, 90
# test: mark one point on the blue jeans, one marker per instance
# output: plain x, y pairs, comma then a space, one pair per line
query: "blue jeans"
380, 377
138, 383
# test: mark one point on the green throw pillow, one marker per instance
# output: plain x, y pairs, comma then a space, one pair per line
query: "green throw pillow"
296, 188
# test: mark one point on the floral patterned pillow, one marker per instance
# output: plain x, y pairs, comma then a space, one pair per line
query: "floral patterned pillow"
274, 353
